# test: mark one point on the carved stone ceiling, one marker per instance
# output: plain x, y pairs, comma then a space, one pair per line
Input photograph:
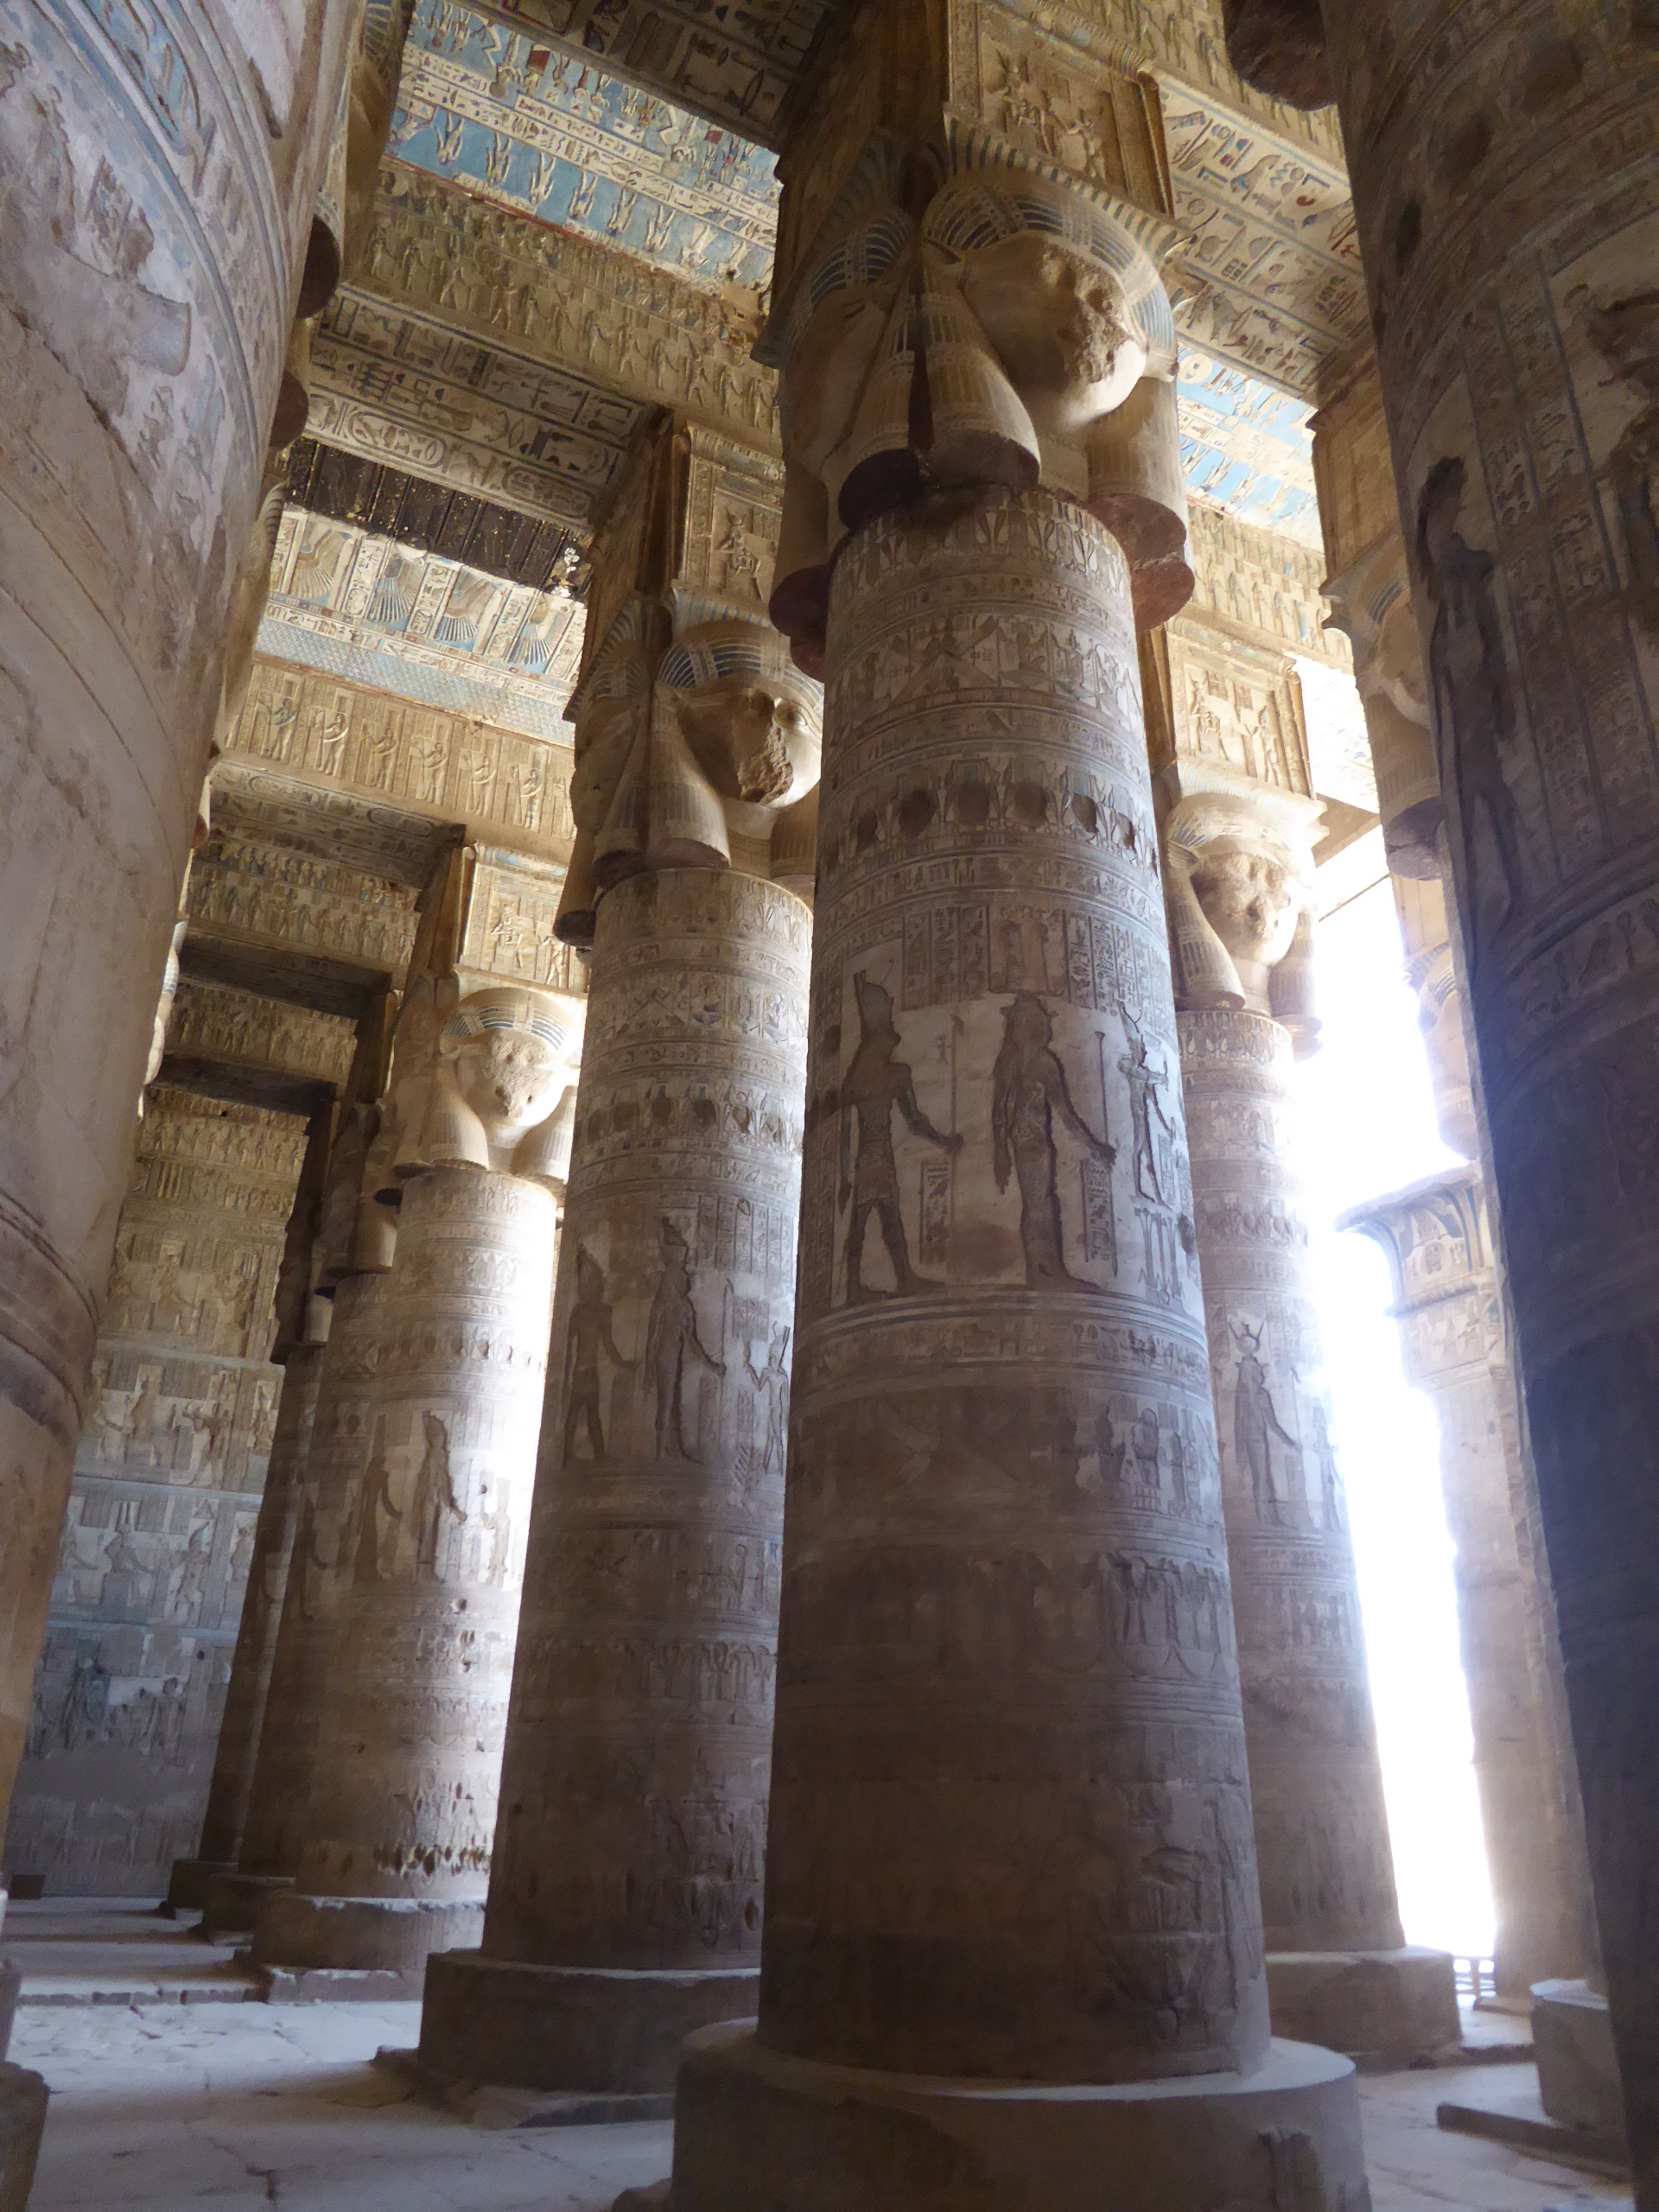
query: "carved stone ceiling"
547, 133
612, 158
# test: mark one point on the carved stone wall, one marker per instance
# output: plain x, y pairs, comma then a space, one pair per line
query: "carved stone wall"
155, 1548
160, 164
232, 1028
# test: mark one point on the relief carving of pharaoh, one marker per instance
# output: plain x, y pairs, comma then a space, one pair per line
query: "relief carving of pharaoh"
1241, 880
986, 324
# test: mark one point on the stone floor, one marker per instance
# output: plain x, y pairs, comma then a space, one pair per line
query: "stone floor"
162, 2100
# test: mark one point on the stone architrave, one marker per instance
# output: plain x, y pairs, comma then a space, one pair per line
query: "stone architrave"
232, 1788
157, 216
1437, 1244
626, 1892
1506, 197
1240, 875
411, 1705
1013, 1932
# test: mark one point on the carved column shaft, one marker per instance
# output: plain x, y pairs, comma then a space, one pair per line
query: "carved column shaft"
1321, 1825
1436, 1240
625, 1895
401, 1807
148, 334
239, 1731
1506, 199
273, 1837
1010, 1842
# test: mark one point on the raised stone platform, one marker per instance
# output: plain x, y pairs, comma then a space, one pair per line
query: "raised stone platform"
1380, 2008
758, 2132
485, 2104
232, 1909
1506, 2109
22, 2117
1578, 2068
190, 1884
311, 1949
605, 2031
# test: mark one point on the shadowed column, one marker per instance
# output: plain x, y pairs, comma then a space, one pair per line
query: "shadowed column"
625, 1890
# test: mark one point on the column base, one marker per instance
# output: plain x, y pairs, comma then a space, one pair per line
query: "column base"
1578, 2066
595, 2030
23, 2117
309, 1949
230, 1908
11, 1981
758, 2132
188, 1884
1382, 2009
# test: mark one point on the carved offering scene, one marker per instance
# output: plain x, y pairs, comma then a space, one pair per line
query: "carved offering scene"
829, 1318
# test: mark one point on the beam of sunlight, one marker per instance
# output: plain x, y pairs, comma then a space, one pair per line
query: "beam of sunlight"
1368, 1126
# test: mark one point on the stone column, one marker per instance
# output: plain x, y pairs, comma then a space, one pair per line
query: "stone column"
625, 1895
1013, 1933
411, 1705
1437, 1242
1507, 200
1523, 1761
318, 1573
230, 1789
1338, 1972
156, 219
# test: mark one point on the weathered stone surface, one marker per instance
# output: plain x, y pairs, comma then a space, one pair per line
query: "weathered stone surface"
633, 1789
1578, 2066
320, 1580
412, 1704
23, 2117
1316, 1780
755, 2128
156, 215
1437, 1238
1001, 1625
155, 1550
262, 1612
1507, 198
1386, 2008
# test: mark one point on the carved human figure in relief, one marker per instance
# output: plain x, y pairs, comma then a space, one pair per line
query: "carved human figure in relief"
1257, 1428
590, 1335
1028, 1088
1474, 717
671, 1337
373, 1499
1325, 1458
1145, 1107
771, 1383
1625, 333
873, 1087
306, 1560
434, 1497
